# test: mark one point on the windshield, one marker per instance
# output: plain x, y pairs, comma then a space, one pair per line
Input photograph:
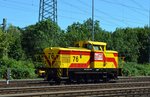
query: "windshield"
98, 47
95, 47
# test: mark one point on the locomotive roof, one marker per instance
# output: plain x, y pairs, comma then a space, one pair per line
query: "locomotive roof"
96, 42
67, 49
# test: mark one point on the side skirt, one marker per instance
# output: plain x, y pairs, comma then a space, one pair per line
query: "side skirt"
95, 74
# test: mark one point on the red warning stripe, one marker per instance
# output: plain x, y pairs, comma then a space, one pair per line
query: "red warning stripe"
74, 52
112, 60
107, 59
80, 65
115, 54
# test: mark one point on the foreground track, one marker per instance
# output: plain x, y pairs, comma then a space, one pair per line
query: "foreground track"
115, 92
15, 90
101, 90
124, 87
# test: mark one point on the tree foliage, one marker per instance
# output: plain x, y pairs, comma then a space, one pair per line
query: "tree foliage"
15, 50
39, 36
126, 42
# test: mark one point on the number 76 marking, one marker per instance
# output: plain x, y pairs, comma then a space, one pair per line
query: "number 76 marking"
75, 58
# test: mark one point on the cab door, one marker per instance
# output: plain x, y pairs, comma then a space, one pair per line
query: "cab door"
97, 57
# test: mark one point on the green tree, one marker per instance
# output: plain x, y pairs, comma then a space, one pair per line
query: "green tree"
126, 42
144, 42
39, 36
4, 44
15, 50
78, 31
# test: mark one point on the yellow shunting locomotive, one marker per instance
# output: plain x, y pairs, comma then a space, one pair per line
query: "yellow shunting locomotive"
87, 61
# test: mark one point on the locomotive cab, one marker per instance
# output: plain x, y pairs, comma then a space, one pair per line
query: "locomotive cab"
103, 63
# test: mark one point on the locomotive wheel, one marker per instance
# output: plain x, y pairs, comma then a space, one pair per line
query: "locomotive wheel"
106, 79
58, 81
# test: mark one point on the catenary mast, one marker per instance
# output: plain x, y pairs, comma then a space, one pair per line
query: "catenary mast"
48, 10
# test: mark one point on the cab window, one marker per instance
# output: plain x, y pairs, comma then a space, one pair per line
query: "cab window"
98, 47
88, 46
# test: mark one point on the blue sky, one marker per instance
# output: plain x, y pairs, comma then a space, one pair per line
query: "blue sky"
110, 13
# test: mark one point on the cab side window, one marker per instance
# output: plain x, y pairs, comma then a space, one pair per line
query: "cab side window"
96, 47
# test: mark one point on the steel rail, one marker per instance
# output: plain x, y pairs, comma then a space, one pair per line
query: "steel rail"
125, 92
16, 90
41, 82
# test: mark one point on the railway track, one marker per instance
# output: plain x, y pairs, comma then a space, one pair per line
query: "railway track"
41, 82
119, 92
15, 90
23, 83
124, 87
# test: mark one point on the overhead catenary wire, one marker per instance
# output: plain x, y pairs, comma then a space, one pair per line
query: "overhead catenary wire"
22, 3
112, 17
124, 5
70, 18
20, 10
87, 12
129, 20
133, 9
139, 5
99, 16
73, 6
16, 8
72, 12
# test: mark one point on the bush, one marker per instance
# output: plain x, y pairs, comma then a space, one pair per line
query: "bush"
134, 69
19, 69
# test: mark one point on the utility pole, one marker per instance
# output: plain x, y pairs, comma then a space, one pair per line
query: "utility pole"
93, 20
48, 10
149, 16
149, 35
4, 25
